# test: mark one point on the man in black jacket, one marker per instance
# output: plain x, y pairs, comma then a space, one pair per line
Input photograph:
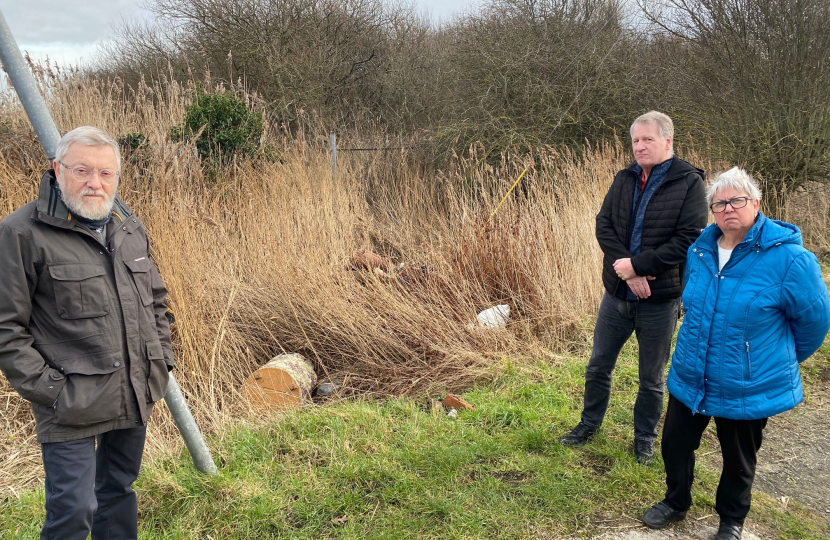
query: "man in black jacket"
652, 213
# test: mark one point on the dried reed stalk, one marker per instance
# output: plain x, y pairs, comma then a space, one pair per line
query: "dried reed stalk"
255, 258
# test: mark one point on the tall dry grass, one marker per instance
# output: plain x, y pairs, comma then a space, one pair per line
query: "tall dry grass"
256, 258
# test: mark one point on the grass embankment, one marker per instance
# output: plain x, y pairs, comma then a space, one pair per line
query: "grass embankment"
403, 469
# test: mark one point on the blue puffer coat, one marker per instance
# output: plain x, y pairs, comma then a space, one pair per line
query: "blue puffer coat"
747, 327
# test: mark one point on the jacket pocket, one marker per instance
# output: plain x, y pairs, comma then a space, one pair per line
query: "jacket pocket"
157, 375
80, 290
140, 269
93, 391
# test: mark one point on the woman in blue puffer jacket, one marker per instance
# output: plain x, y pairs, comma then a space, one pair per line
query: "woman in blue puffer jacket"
756, 306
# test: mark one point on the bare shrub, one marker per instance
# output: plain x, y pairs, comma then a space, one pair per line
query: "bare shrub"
535, 73
328, 56
755, 76
512, 75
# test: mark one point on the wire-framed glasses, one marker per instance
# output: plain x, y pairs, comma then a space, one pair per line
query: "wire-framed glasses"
82, 173
735, 202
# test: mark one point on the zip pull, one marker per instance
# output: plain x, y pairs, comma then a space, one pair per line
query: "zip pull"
747, 348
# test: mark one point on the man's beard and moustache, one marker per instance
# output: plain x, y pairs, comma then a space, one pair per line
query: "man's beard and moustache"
88, 209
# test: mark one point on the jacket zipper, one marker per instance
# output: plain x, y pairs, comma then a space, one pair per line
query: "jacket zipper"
748, 363
634, 214
661, 186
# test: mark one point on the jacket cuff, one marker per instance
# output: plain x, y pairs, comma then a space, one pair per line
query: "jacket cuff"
636, 269
50, 385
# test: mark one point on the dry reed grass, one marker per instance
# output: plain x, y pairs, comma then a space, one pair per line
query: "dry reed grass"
255, 258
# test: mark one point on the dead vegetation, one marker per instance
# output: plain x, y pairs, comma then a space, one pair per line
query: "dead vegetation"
257, 257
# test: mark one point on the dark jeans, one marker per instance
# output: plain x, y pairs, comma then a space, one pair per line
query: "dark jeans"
739, 443
653, 323
88, 489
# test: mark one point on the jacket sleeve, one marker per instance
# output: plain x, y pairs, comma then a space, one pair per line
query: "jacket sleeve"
22, 365
160, 311
807, 306
609, 242
691, 221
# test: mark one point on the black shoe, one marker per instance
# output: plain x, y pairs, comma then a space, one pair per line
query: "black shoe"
644, 450
729, 531
579, 435
661, 514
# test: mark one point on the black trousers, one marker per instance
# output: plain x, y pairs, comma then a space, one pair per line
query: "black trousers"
88, 489
740, 441
653, 323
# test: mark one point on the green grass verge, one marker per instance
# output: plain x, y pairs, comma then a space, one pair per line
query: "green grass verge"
402, 469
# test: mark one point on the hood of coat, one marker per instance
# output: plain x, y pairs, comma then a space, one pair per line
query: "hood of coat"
765, 234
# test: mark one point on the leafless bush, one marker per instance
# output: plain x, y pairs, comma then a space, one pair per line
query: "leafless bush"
332, 57
513, 75
529, 73
754, 75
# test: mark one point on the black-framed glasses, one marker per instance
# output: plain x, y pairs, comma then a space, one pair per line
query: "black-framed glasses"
735, 202
82, 173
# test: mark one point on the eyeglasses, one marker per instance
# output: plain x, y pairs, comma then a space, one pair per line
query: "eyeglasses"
735, 203
83, 173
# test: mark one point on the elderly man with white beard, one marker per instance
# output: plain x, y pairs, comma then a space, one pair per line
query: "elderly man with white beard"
84, 336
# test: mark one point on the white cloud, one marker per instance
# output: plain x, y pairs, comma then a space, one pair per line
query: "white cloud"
445, 10
62, 21
65, 54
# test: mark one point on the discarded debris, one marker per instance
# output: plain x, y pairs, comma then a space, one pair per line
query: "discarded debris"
285, 381
327, 387
454, 402
452, 414
494, 317
369, 261
437, 408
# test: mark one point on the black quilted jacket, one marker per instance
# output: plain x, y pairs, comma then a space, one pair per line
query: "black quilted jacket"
673, 220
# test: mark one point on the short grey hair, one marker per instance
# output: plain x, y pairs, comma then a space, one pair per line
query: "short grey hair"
87, 136
665, 126
737, 179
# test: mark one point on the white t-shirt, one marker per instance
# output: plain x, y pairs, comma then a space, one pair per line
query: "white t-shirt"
723, 256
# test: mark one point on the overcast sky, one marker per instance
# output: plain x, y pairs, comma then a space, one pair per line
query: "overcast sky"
69, 31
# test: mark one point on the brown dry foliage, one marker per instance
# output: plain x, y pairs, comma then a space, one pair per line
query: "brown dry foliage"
254, 258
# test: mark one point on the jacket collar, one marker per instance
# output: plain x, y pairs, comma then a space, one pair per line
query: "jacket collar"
678, 169
764, 234
52, 210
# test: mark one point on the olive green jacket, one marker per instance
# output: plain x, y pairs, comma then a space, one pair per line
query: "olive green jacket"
83, 332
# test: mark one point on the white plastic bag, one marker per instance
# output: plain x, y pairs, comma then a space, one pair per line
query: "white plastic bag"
494, 317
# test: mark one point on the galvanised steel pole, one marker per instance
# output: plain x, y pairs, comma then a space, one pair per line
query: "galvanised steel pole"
27, 90
35, 106
187, 427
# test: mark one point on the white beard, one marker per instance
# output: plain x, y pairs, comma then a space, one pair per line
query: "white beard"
88, 209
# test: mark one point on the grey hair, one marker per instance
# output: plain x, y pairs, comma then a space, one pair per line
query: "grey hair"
737, 179
665, 126
87, 136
